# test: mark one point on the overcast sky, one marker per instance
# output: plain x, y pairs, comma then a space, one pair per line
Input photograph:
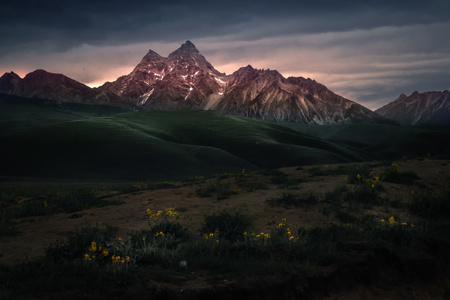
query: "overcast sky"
367, 51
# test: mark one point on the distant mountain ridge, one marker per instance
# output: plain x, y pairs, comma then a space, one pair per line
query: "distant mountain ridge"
186, 80
419, 108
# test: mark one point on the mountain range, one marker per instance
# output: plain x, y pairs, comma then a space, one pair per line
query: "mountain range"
419, 108
186, 80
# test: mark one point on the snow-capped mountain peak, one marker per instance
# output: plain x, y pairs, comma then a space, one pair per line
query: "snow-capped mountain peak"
185, 79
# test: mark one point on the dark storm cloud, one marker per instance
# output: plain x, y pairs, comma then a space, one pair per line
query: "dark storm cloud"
70, 23
369, 51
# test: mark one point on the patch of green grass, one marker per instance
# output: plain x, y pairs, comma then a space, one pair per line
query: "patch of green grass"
428, 204
7, 224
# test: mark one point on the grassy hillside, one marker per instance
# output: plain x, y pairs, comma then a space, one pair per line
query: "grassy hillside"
380, 141
17, 113
160, 144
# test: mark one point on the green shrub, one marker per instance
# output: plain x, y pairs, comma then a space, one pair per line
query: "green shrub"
77, 244
32, 208
391, 173
335, 196
230, 226
206, 190
363, 194
394, 237
427, 204
358, 172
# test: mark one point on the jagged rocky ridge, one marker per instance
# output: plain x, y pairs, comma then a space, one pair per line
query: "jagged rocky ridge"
186, 80
419, 108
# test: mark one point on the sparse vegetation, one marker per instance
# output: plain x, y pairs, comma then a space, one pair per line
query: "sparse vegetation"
336, 225
288, 199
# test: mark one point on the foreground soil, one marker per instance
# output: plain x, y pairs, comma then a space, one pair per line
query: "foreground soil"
375, 276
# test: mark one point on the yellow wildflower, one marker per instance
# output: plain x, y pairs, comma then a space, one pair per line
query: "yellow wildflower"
93, 247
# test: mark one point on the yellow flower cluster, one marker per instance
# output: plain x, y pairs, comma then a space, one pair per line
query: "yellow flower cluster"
263, 236
236, 191
169, 213
118, 259
196, 177
223, 175
94, 248
283, 225
394, 168
372, 182
214, 236
140, 186
94, 192
160, 234
88, 257
392, 221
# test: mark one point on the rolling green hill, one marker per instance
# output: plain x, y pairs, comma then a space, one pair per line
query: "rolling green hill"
17, 113
77, 141
382, 141
160, 144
